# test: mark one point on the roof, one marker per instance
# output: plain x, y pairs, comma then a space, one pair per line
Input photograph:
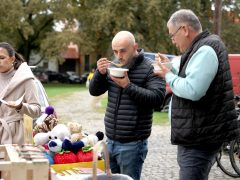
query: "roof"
72, 52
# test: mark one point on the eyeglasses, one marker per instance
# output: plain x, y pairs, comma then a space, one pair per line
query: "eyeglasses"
172, 35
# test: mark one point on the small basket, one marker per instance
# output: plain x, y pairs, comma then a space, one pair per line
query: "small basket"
108, 174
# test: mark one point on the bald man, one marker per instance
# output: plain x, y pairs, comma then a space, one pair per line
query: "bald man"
131, 101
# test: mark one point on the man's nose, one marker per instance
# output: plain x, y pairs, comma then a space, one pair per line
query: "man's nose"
119, 55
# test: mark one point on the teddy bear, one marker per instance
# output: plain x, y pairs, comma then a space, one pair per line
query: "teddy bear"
58, 155
89, 140
76, 131
58, 134
60, 131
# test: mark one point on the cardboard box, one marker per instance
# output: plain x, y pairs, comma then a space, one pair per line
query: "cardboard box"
74, 170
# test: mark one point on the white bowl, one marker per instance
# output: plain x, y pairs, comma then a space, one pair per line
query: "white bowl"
117, 72
158, 68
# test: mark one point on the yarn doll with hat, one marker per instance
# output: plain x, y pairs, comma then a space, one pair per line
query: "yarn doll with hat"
46, 122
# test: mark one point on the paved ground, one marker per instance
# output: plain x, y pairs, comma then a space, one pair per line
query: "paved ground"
160, 163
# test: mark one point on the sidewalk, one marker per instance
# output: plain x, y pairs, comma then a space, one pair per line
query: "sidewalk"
161, 162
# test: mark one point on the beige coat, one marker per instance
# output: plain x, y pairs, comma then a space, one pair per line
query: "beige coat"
11, 120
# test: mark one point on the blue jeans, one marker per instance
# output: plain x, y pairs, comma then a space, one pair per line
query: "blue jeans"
127, 158
195, 163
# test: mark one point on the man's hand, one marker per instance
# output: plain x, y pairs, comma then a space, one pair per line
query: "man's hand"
122, 82
160, 60
102, 65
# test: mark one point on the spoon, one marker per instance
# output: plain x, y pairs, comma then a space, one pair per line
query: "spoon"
115, 64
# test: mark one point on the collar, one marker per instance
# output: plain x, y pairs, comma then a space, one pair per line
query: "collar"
9, 74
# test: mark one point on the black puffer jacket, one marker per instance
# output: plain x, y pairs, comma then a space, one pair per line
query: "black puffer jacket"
129, 111
212, 119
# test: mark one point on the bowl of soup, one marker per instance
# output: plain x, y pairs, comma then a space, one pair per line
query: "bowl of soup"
117, 72
157, 67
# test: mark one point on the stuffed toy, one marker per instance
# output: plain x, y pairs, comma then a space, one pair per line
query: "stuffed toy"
40, 139
76, 131
54, 139
85, 155
89, 140
48, 110
60, 156
46, 154
60, 131
55, 145
65, 157
49, 157
46, 122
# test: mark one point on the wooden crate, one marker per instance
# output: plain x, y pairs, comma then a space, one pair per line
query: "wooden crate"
14, 167
28, 129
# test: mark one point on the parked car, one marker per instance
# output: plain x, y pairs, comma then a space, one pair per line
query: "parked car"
73, 77
52, 76
40, 74
151, 55
63, 78
168, 93
84, 77
57, 77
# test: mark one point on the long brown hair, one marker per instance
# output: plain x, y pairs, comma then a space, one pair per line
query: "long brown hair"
12, 53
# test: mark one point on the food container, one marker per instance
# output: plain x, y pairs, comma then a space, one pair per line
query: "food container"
158, 68
117, 72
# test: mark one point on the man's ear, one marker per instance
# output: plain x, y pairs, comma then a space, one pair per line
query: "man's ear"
186, 30
136, 46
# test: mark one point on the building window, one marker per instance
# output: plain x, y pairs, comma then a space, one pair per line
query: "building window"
86, 63
45, 65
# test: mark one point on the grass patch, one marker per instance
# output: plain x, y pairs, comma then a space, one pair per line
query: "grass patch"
57, 89
104, 102
159, 118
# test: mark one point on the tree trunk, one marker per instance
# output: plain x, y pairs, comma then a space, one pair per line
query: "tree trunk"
217, 17
26, 51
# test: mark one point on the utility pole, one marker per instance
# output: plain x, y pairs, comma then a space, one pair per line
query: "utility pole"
217, 17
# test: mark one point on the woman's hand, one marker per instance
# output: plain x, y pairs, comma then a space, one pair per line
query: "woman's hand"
14, 104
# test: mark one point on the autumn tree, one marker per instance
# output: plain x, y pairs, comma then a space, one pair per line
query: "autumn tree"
28, 23
91, 24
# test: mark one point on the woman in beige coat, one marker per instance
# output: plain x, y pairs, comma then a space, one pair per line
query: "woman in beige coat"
16, 80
